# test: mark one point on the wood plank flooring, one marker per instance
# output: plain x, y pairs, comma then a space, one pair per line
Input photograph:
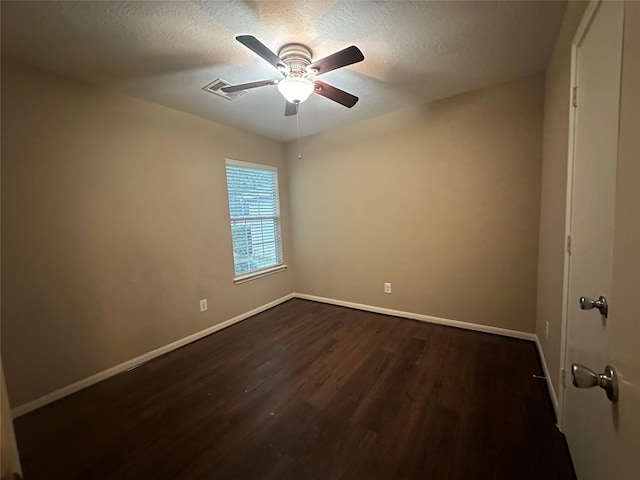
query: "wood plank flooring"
310, 391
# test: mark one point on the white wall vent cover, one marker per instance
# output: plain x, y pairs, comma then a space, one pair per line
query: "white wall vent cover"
215, 86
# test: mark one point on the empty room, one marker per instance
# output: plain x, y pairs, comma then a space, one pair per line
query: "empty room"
320, 240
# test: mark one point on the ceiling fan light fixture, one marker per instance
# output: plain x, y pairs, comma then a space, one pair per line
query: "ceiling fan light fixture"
295, 89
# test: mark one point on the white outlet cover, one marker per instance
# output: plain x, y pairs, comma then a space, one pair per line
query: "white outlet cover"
203, 305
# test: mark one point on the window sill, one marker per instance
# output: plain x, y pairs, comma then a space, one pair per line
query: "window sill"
258, 274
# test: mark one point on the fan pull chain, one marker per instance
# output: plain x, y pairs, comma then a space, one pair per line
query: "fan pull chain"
298, 126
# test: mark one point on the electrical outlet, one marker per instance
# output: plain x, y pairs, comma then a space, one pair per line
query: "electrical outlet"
387, 288
203, 305
546, 330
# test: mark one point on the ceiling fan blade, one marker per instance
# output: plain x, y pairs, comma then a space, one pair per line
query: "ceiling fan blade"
290, 109
339, 59
255, 45
335, 94
247, 86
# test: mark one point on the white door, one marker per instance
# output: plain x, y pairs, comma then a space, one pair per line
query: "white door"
601, 434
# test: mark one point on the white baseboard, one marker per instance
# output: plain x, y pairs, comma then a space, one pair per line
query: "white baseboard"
130, 364
552, 392
452, 323
134, 362
422, 318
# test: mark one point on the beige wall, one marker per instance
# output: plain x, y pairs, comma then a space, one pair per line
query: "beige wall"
554, 191
114, 226
441, 200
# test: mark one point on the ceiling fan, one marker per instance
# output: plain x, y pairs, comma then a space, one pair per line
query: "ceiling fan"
294, 63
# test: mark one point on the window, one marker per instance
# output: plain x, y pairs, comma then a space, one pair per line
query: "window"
255, 219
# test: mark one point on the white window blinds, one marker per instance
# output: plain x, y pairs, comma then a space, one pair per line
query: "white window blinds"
255, 216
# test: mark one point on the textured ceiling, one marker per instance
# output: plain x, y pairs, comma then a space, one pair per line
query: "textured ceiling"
165, 52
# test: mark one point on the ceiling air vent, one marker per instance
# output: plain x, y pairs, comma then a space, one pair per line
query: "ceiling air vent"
215, 86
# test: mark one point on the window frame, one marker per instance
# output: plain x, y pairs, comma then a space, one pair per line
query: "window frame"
271, 269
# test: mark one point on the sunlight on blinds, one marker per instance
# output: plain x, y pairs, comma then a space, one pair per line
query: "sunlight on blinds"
255, 216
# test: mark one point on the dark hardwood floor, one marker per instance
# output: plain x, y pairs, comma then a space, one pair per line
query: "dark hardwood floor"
310, 391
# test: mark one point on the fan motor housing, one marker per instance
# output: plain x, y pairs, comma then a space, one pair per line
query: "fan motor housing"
297, 57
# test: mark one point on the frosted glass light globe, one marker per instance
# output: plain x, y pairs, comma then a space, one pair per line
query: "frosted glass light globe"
295, 89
